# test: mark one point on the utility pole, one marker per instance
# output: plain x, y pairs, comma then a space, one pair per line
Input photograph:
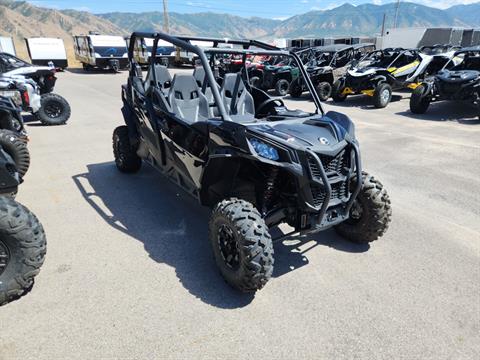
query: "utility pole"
383, 23
165, 16
396, 14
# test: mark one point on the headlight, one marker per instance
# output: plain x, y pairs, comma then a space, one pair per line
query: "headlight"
264, 150
14, 95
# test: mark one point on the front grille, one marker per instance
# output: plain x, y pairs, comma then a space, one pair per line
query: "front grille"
339, 191
332, 165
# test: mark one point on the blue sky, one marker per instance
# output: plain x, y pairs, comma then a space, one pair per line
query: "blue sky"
246, 8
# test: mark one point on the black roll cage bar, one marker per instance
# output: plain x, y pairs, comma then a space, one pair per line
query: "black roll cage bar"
184, 43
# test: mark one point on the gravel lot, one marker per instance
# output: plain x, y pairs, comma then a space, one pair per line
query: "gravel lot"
129, 271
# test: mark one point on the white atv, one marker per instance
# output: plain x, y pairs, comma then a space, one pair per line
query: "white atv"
48, 108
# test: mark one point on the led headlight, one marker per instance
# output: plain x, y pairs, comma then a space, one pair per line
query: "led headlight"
264, 150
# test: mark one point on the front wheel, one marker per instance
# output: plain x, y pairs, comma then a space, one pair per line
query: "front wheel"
324, 91
370, 214
22, 249
242, 245
382, 95
338, 92
126, 157
281, 87
54, 110
419, 101
296, 89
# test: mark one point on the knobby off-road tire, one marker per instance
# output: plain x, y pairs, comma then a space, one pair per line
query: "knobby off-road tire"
16, 147
237, 227
23, 247
337, 92
382, 95
126, 157
370, 215
324, 90
296, 89
282, 87
419, 101
55, 110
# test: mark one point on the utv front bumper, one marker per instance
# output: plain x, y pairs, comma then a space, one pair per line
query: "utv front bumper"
329, 195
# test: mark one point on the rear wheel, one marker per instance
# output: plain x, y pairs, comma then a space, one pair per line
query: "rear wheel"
296, 89
16, 147
242, 245
324, 90
126, 157
370, 214
22, 249
419, 101
338, 91
55, 110
281, 87
382, 95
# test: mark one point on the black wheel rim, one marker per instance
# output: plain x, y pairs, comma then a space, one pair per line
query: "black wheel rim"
228, 247
356, 213
53, 109
120, 154
4, 257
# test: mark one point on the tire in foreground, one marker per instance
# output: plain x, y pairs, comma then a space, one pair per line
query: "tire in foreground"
242, 245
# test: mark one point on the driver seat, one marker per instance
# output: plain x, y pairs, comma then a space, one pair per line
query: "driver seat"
236, 98
187, 101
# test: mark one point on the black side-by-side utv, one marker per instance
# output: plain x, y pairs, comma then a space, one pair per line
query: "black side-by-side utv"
455, 82
255, 162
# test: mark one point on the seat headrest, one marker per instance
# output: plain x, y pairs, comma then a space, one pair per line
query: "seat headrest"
229, 84
162, 74
199, 75
185, 87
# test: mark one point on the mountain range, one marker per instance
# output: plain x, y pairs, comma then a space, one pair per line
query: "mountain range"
22, 19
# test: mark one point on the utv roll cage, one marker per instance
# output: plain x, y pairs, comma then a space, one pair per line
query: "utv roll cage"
183, 42
470, 52
336, 50
396, 53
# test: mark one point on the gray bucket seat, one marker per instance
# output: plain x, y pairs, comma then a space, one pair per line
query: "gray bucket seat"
187, 100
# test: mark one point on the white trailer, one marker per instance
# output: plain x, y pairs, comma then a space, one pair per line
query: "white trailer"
7, 45
47, 52
101, 51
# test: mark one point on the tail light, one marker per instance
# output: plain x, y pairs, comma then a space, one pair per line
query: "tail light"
25, 98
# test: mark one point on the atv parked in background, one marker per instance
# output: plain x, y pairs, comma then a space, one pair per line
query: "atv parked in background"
379, 73
277, 75
459, 80
243, 153
44, 76
326, 65
22, 238
49, 108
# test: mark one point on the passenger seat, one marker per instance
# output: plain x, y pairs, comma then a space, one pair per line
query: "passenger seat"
164, 79
234, 87
187, 100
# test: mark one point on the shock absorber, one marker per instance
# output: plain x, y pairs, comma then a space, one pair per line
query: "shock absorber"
269, 190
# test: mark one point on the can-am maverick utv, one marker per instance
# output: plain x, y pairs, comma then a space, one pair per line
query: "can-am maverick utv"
13, 137
49, 108
327, 65
22, 238
379, 73
44, 76
257, 163
277, 75
459, 80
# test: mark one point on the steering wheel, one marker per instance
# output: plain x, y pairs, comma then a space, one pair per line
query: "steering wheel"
268, 102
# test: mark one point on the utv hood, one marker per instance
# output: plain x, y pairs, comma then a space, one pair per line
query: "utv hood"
322, 133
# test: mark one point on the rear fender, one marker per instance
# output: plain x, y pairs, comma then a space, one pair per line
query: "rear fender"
131, 121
